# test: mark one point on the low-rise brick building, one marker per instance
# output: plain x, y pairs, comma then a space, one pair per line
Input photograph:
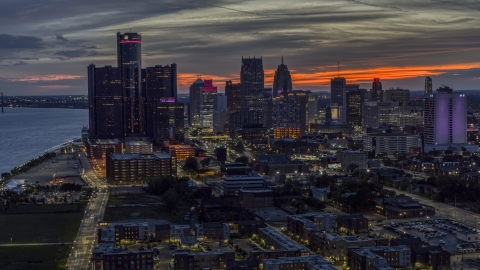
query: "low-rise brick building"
105, 256
215, 260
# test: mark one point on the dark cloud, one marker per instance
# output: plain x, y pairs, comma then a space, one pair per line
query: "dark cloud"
210, 36
20, 42
76, 53
61, 39
19, 63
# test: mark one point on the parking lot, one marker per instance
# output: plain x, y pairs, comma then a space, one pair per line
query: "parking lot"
434, 232
64, 167
245, 245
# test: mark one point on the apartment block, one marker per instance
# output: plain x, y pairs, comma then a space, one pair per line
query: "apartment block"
336, 247
208, 231
275, 240
347, 157
394, 256
116, 233
215, 260
312, 262
106, 257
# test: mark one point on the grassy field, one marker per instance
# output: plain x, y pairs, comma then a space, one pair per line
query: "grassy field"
41, 227
113, 214
41, 208
33, 257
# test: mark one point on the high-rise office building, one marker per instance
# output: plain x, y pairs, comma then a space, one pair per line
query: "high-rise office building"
376, 114
195, 100
370, 114
252, 86
286, 114
337, 90
129, 58
428, 85
233, 94
208, 102
105, 102
354, 104
282, 81
388, 113
220, 102
168, 122
445, 119
160, 83
402, 96
376, 93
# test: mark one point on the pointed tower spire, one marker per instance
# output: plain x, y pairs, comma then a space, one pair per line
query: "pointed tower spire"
282, 59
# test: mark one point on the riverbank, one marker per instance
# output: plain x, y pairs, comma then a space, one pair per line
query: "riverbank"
27, 133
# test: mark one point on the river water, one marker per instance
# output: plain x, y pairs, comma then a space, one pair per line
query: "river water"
26, 133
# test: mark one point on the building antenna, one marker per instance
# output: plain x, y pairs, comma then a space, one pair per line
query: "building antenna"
199, 76
338, 68
282, 59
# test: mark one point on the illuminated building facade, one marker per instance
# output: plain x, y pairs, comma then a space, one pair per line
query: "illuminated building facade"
129, 57
181, 152
445, 118
168, 122
195, 101
208, 100
124, 169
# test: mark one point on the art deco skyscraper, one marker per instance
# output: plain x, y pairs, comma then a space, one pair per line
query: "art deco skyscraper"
428, 85
282, 81
129, 58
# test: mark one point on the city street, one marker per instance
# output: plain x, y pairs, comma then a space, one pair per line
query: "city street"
86, 238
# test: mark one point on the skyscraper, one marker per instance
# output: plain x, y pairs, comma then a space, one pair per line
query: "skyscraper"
445, 119
354, 104
282, 81
160, 84
428, 85
194, 106
252, 85
402, 96
167, 122
233, 94
286, 115
208, 102
337, 90
376, 93
129, 58
105, 102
